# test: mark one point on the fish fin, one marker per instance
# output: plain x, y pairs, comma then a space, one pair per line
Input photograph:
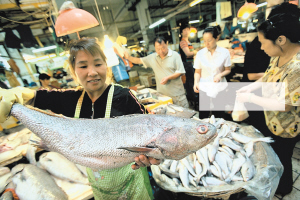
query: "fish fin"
37, 142
30, 154
47, 112
137, 149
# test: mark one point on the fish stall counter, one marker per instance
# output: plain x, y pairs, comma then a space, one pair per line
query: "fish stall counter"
151, 99
23, 164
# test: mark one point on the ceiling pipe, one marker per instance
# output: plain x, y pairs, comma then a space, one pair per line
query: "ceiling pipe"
166, 18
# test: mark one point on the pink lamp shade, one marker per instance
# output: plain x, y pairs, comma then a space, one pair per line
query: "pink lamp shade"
74, 20
247, 8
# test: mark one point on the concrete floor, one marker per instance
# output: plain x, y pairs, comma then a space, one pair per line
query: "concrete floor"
295, 194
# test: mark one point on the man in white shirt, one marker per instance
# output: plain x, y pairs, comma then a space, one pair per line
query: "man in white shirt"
168, 67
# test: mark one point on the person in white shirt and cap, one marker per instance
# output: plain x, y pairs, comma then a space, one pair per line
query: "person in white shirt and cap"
212, 64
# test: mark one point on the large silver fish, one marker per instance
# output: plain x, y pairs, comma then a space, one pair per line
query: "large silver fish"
110, 143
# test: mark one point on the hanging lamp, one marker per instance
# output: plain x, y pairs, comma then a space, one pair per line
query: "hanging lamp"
246, 10
193, 31
73, 20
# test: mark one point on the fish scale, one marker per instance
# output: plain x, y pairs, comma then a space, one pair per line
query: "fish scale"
114, 142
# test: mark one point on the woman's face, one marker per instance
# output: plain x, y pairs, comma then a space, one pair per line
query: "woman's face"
209, 41
90, 71
186, 32
45, 82
268, 46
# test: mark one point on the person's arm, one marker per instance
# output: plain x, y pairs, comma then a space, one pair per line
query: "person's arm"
185, 48
197, 77
218, 77
171, 77
187, 52
266, 103
132, 59
255, 76
179, 69
227, 67
251, 87
197, 74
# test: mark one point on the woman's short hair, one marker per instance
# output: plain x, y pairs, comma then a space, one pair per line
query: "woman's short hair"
214, 30
44, 76
90, 45
183, 26
281, 24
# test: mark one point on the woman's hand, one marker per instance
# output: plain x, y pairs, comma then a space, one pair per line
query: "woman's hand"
245, 89
143, 161
196, 87
244, 97
217, 78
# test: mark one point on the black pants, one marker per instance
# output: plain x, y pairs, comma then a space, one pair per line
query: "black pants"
189, 83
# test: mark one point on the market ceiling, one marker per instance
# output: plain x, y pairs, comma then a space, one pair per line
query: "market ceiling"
119, 16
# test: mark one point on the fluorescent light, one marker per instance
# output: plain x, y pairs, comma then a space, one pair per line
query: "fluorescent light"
262, 4
44, 49
132, 46
194, 21
142, 41
195, 2
157, 23
40, 58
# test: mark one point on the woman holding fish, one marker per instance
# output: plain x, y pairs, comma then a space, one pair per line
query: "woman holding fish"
211, 65
279, 37
95, 99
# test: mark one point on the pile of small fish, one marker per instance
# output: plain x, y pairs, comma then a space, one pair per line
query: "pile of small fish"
224, 160
14, 144
48, 179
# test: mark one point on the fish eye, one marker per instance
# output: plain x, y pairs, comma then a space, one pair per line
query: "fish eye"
202, 129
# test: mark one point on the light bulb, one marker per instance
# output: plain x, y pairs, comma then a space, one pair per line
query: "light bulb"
246, 15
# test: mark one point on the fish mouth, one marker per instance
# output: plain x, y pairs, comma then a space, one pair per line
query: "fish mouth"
212, 138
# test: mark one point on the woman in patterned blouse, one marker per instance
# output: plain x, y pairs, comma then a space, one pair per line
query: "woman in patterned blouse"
279, 37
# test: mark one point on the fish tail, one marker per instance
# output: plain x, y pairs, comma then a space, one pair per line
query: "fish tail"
264, 139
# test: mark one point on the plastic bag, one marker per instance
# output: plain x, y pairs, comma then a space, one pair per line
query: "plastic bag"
239, 112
